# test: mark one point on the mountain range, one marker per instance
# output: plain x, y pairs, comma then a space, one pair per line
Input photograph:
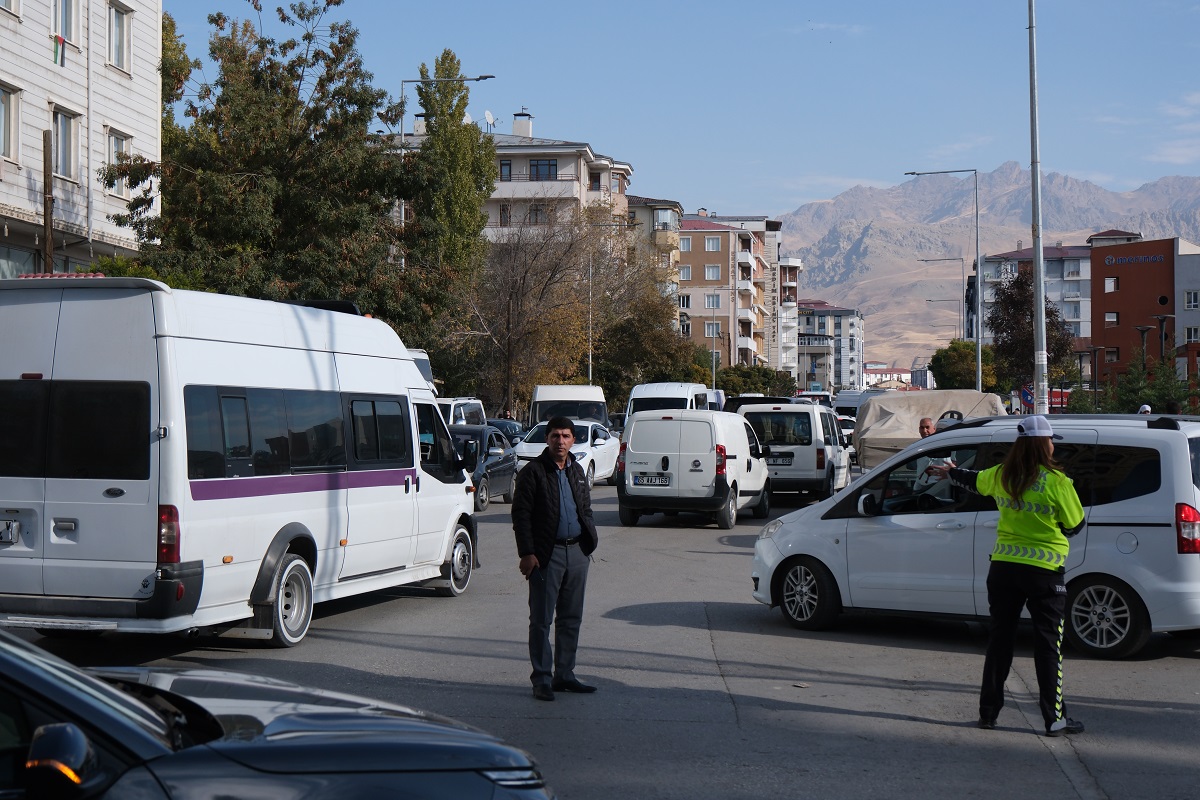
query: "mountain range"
863, 248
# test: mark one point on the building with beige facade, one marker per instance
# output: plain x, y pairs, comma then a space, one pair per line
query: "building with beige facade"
86, 71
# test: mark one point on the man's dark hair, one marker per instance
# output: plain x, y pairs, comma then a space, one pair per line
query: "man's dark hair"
559, 423
1173, 407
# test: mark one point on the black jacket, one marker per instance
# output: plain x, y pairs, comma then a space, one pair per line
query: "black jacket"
535, 507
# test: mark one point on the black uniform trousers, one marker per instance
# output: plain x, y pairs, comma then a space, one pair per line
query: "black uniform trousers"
1011, 587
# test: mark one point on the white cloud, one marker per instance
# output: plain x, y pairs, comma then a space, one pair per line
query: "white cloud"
950, 150
837, 27
1179, 152
1187, 106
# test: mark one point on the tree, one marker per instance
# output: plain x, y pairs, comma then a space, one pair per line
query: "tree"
742, 378
953, 367
1011, 323
278, 188
450, 177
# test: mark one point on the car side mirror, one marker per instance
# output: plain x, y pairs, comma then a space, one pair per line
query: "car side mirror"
867, 505
496, 451
516, 440
764, 451
470, 457
61, 763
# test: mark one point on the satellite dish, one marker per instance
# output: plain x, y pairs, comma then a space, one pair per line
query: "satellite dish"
490, 119
467, 118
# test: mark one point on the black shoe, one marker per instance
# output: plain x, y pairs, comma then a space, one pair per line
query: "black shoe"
571, 685
987, 724
1064, 726
542, 692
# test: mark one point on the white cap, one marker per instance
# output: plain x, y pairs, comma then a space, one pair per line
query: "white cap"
1036, 425
1145, 409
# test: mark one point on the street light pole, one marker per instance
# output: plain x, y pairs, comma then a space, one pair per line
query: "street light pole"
978, 275
962, 265
945, 300
1162, 334
1143, 330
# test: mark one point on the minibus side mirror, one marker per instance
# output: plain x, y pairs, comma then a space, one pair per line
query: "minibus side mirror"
470, 458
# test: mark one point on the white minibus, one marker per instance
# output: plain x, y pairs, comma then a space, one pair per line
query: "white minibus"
184, 461
658, 396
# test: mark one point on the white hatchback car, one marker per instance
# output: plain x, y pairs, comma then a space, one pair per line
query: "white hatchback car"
896, 540
595, 449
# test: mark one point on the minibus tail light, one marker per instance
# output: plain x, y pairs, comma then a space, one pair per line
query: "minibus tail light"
1187, 528
720, 459
168, 535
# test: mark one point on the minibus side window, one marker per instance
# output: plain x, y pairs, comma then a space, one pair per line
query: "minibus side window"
438, 455
315, 430
268, 432
381, 433
23, 407
203, 431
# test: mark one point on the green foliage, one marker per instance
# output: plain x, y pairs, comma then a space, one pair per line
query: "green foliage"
1011, 323
123, 267
742, 378
953, 367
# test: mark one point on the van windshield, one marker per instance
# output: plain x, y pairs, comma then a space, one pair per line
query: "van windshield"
538, 434
656, 403
573, 409
774, 427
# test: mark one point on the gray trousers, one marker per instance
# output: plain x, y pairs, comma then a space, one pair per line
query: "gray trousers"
556, 596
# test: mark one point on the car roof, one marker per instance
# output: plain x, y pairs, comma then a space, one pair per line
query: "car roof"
1188, 425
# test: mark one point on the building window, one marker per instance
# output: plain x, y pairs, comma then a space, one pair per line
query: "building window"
712, 330
1191, 300
119, 18
1112, 355
1193, 335
1110, 285
712, 243
685, 328
66, 15
505, 170
505, 215
9, 5
118, 144
64, 144
685, 301
712, 272
594, 182
543, 169
8, 122
685, 272
685, 244
1111, 319
712, 301
538, 214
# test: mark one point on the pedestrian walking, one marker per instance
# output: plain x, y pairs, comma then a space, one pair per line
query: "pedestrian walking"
1039, 512
552, 521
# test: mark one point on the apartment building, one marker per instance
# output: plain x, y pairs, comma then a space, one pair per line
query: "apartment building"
723, 279
84, 74
1068, 282
655, 226
827, 343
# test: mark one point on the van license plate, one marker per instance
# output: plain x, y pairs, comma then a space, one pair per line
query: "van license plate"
651, 480
779, 461
10, 531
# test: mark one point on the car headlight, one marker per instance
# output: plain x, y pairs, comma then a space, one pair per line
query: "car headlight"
515, 778
770, 529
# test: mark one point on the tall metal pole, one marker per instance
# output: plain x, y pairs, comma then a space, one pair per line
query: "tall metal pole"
48, 201
591, 260
1040, 390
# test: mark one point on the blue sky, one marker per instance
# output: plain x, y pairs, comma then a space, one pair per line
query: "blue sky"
759, 106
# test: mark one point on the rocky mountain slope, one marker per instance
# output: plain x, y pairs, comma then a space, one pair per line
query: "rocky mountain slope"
862, 249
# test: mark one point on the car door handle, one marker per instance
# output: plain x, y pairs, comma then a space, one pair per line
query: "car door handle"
950, 525
63, 525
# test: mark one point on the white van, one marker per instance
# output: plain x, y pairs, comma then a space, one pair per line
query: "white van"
576, 402
178, 461
658, 396
807, 446
462, 411
691, 460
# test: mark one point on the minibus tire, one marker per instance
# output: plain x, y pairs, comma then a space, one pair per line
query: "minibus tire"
461, 565
292, 610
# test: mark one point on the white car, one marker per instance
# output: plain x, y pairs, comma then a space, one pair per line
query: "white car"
896, 541
595, 449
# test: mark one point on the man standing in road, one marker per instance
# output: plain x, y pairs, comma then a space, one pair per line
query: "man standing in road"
552, 520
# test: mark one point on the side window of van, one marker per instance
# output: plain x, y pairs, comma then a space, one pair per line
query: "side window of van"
98, 430
473, 414
269, 446
1082, 463
438, 455
381, 432
315, 430
205, 444
1122, 473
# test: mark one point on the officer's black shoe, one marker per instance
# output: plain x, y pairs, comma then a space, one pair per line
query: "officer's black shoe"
1063, 726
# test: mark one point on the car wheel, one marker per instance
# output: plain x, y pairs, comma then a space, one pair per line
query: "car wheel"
727, 516
826, 490
629, 516
762, 509
1106, 618
292, 610
808, 595
591, 473
460, 567
613, 478
482, 498
512, 486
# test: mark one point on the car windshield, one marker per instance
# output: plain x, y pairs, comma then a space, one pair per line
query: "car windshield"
538, 434
774, 427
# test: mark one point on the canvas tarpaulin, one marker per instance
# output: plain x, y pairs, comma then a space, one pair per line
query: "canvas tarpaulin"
888, 423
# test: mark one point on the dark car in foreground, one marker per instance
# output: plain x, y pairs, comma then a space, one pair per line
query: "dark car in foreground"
495, 469
150, 732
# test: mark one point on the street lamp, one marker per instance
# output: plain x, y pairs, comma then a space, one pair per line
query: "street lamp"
946, 300
962, 266
978, 275
1095, 375
1143, 330
1162, 334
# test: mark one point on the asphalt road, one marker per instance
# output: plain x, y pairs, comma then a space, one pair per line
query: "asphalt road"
704, 693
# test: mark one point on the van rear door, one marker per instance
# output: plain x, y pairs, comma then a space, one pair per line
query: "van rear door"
99, 531
652, 457
697, 458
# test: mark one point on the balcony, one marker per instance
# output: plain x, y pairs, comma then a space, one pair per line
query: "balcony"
1072, 295
747, 343
747, 315
788, 300
745, 287
666, 239
745, 258
788, 283
790, 323
760, 278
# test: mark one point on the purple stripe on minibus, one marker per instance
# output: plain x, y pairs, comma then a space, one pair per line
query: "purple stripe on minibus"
231, 488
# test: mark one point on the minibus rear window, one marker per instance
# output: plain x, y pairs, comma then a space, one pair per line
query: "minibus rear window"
23, 406
99, 430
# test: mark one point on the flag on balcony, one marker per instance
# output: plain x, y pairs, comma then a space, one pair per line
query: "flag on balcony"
60, 51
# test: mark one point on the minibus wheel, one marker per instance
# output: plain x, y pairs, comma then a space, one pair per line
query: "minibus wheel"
459, 568
292, 610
